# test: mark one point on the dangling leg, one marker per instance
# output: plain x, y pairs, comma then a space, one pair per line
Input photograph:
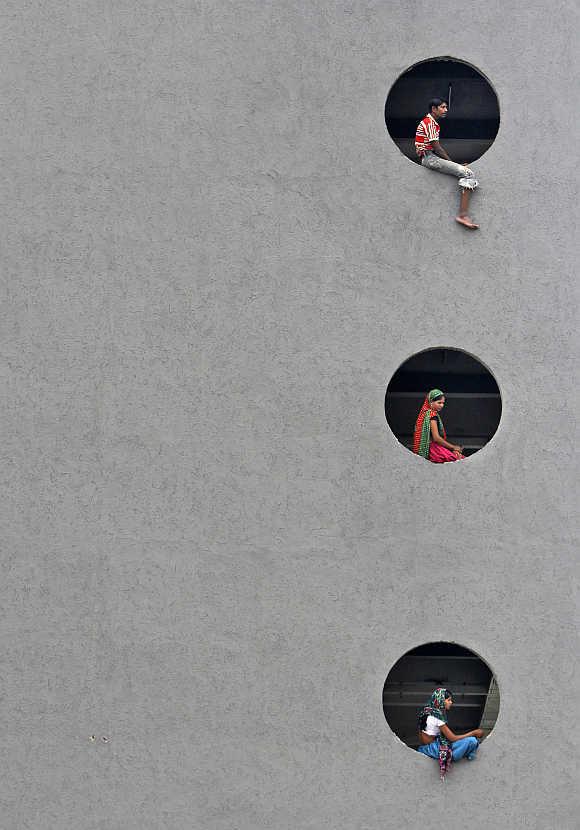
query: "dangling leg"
467, 183
463, 215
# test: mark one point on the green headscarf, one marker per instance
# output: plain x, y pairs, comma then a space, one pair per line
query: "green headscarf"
437, 703
422, 436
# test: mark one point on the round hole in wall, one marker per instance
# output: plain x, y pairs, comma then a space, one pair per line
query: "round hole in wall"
418, 673
467, 416
472, 121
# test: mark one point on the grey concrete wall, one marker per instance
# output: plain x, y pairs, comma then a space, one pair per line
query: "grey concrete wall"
214, 258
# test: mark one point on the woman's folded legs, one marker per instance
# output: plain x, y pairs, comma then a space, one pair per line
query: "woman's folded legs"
463, 748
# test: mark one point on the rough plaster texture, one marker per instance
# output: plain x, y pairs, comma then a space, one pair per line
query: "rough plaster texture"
214, 258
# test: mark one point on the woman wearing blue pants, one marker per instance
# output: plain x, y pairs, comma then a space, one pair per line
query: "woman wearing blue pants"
437, 739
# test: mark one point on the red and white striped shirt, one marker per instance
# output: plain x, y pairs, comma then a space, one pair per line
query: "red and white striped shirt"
427, 131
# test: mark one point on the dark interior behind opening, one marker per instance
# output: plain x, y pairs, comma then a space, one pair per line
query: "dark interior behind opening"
414, 677
473, 120
473, 403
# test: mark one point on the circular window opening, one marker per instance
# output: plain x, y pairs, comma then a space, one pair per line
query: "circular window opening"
466, 417
472, 120
409, 689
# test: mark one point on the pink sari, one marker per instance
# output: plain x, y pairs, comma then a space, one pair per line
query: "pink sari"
439, 454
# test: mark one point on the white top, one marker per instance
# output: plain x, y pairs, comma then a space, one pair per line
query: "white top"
432, 727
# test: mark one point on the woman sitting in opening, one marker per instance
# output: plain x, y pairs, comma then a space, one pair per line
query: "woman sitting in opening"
430, 439
436, 738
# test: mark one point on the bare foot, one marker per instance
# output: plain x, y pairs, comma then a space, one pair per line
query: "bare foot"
466, 222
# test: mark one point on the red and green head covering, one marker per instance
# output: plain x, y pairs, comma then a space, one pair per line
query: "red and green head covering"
436, 705
422, 436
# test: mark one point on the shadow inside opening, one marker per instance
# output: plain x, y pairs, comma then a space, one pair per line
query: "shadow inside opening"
473, 402
473, 119
410, 682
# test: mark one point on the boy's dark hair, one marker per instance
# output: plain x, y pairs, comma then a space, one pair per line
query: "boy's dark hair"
436, 102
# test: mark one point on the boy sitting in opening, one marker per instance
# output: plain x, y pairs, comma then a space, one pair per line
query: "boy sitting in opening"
434, 157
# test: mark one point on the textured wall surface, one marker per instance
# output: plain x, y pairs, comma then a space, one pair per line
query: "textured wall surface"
214, 258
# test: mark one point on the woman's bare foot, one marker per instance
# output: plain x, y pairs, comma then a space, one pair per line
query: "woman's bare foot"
466, 222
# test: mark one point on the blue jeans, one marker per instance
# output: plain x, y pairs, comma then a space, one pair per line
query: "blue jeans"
466, 746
